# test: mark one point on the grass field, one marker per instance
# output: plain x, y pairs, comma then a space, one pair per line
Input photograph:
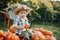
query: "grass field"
55, 28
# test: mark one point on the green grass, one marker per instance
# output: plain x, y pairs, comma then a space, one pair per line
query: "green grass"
55, 28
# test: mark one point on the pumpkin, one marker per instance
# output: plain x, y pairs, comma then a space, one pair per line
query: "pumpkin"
6, 35
41, 36
46, 32
12, 29
1, 33
50, 37
47, 37
53, 38
27, 26
14, 37
36, 29
35, 36
1, 38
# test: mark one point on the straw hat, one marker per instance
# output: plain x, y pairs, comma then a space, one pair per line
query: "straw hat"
21, 8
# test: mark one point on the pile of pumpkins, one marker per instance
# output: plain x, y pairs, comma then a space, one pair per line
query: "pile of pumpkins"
8, 36
41, 34
37, 34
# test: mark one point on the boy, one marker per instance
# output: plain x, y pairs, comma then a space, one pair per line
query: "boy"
20, 21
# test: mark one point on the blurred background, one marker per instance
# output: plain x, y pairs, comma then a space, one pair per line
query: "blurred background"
45, 14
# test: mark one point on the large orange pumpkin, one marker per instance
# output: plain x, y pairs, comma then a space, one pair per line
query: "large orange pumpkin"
46, 32
27, 26
12, 29
1, 33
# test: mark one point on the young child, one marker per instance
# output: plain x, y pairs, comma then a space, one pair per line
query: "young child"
20, 21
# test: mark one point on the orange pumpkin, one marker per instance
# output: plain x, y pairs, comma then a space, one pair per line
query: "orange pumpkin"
27, 26
41, 36
36, 29
12, 29
46, 32
1, 38
1, 33
53, 38
14, 37
50, 37
35, 36
7, 35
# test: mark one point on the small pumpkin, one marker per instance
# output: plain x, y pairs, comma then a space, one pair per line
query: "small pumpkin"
12, 29
41, 36
14, 37
1, 38
46, 32
50, 37
53, 38
7, 35
36, 29
1, 33
35, 36
26, 26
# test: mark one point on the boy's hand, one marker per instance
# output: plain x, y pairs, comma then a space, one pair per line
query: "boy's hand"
27, 26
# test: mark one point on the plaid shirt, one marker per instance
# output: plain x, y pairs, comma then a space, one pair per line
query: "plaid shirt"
20, 23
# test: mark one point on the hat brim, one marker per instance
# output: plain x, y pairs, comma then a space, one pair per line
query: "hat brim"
17, 10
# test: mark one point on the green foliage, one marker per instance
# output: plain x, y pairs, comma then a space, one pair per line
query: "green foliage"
40, 12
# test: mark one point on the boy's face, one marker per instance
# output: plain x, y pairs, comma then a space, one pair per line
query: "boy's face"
22, 14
